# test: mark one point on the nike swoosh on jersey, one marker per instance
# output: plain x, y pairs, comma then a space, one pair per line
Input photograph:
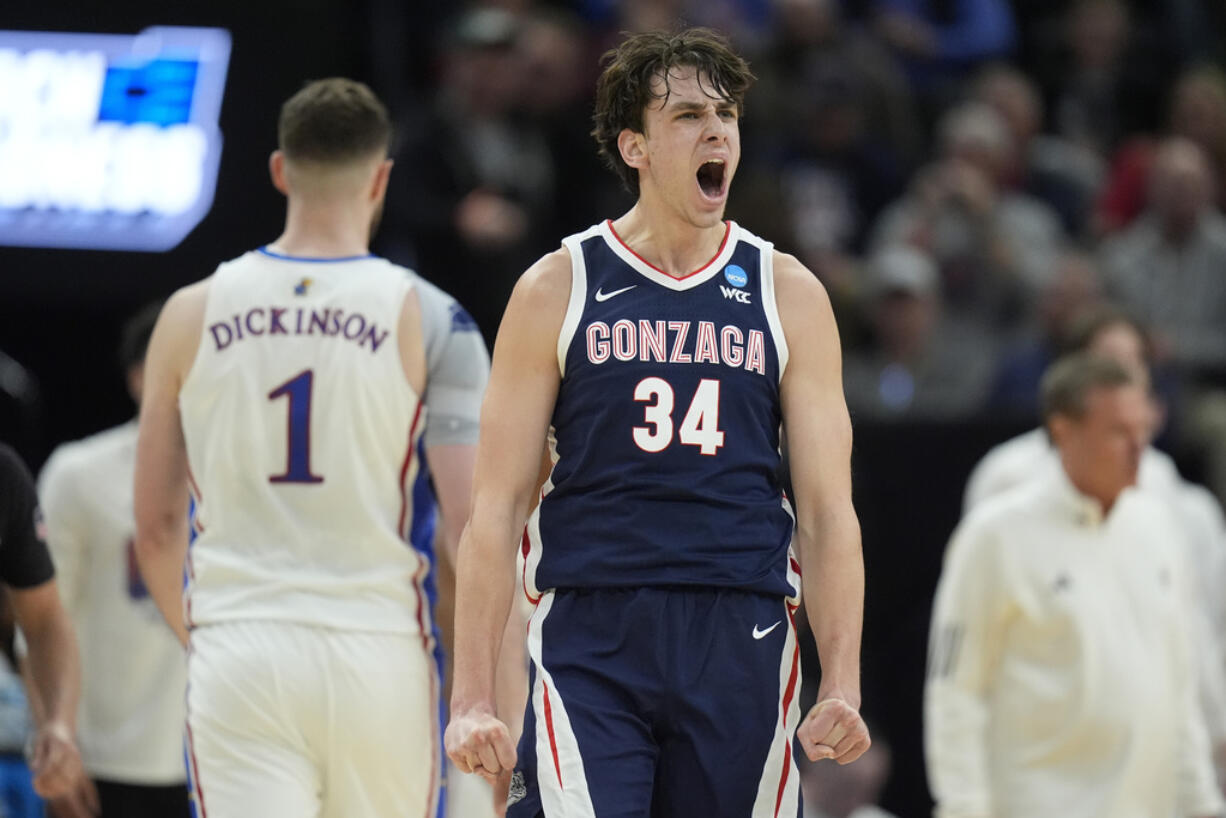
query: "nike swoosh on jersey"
757, 634
603, 296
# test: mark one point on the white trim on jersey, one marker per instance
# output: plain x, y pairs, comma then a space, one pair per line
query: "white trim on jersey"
688, 282
780, 783
532, 531
793, 570
560, 776
769, 305
578, 292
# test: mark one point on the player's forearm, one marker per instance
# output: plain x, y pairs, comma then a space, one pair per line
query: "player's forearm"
55, 669
161, 554
833, 589
483, 603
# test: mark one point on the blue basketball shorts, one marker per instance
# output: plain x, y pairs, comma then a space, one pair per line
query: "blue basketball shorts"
659, 703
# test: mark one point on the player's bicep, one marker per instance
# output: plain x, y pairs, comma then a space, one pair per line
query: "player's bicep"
161, 494
816, 424
524, 382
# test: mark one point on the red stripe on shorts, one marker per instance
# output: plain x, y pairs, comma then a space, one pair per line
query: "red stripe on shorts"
787, 701
553, 742
196, 788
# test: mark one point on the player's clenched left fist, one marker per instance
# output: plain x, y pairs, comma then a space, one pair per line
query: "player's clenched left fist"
478, 742
833, 729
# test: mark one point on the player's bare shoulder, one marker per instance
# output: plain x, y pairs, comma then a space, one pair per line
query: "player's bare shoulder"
177, 333
541, 295
804, 305
546, 284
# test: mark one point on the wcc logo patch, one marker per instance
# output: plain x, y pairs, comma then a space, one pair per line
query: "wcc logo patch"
735, 275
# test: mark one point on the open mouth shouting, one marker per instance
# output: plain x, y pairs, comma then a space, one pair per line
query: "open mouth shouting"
712, 179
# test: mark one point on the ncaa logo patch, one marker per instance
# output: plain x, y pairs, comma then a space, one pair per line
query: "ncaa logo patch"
735, 275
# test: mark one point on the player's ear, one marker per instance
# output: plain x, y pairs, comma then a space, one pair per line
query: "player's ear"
633, 147
276, 169
379, 185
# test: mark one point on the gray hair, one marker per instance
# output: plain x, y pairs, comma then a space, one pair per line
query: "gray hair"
1068, 382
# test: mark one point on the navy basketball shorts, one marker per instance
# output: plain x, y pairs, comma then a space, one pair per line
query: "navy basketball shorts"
659, 703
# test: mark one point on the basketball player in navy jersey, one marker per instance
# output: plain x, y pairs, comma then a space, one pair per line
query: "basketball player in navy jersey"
657, 357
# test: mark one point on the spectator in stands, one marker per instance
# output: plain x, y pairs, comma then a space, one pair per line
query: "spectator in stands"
1197, 113
1170, 267
560, 67
940, 42
1075, 287
995, 248
922, 365
813, 40
1102, 80
1062, 174
475, 189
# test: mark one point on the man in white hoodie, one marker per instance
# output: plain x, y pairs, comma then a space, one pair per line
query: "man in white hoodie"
1060, 678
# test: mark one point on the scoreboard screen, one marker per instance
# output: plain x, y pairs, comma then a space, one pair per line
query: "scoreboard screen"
109, 142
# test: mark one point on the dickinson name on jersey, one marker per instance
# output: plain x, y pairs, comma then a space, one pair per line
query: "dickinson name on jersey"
665, 342
328, 322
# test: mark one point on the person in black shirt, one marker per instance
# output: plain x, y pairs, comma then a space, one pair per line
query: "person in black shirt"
51, 656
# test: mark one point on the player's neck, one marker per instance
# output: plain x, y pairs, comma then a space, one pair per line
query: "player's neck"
324, 231
673, 245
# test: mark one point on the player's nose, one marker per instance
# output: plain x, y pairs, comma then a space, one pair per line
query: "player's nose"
715, 127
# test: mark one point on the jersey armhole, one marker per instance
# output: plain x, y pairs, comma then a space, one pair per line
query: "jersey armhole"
204, 327
578, 294
771, 308
410, 288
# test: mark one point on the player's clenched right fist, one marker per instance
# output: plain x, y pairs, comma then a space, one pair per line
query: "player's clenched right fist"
478, 742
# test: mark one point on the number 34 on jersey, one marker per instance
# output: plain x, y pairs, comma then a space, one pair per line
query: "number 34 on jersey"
699, 426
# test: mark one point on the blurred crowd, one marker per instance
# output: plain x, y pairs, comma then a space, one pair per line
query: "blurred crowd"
967, 177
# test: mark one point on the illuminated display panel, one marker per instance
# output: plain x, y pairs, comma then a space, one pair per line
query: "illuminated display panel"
109, 142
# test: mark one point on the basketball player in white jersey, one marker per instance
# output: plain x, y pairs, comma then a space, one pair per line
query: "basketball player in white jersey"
133, 674
286, 392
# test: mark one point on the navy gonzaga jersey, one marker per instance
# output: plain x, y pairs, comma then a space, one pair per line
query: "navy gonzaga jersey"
665, 433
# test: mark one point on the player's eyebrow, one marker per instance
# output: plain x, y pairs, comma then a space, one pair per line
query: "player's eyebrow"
690, 105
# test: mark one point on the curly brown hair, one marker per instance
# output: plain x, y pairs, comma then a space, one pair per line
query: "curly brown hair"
334, 121
624, 89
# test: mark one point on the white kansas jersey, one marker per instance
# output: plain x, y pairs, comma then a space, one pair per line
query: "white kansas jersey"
303, 446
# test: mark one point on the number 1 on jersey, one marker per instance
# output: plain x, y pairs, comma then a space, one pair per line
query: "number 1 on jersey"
297, 391
699, 427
